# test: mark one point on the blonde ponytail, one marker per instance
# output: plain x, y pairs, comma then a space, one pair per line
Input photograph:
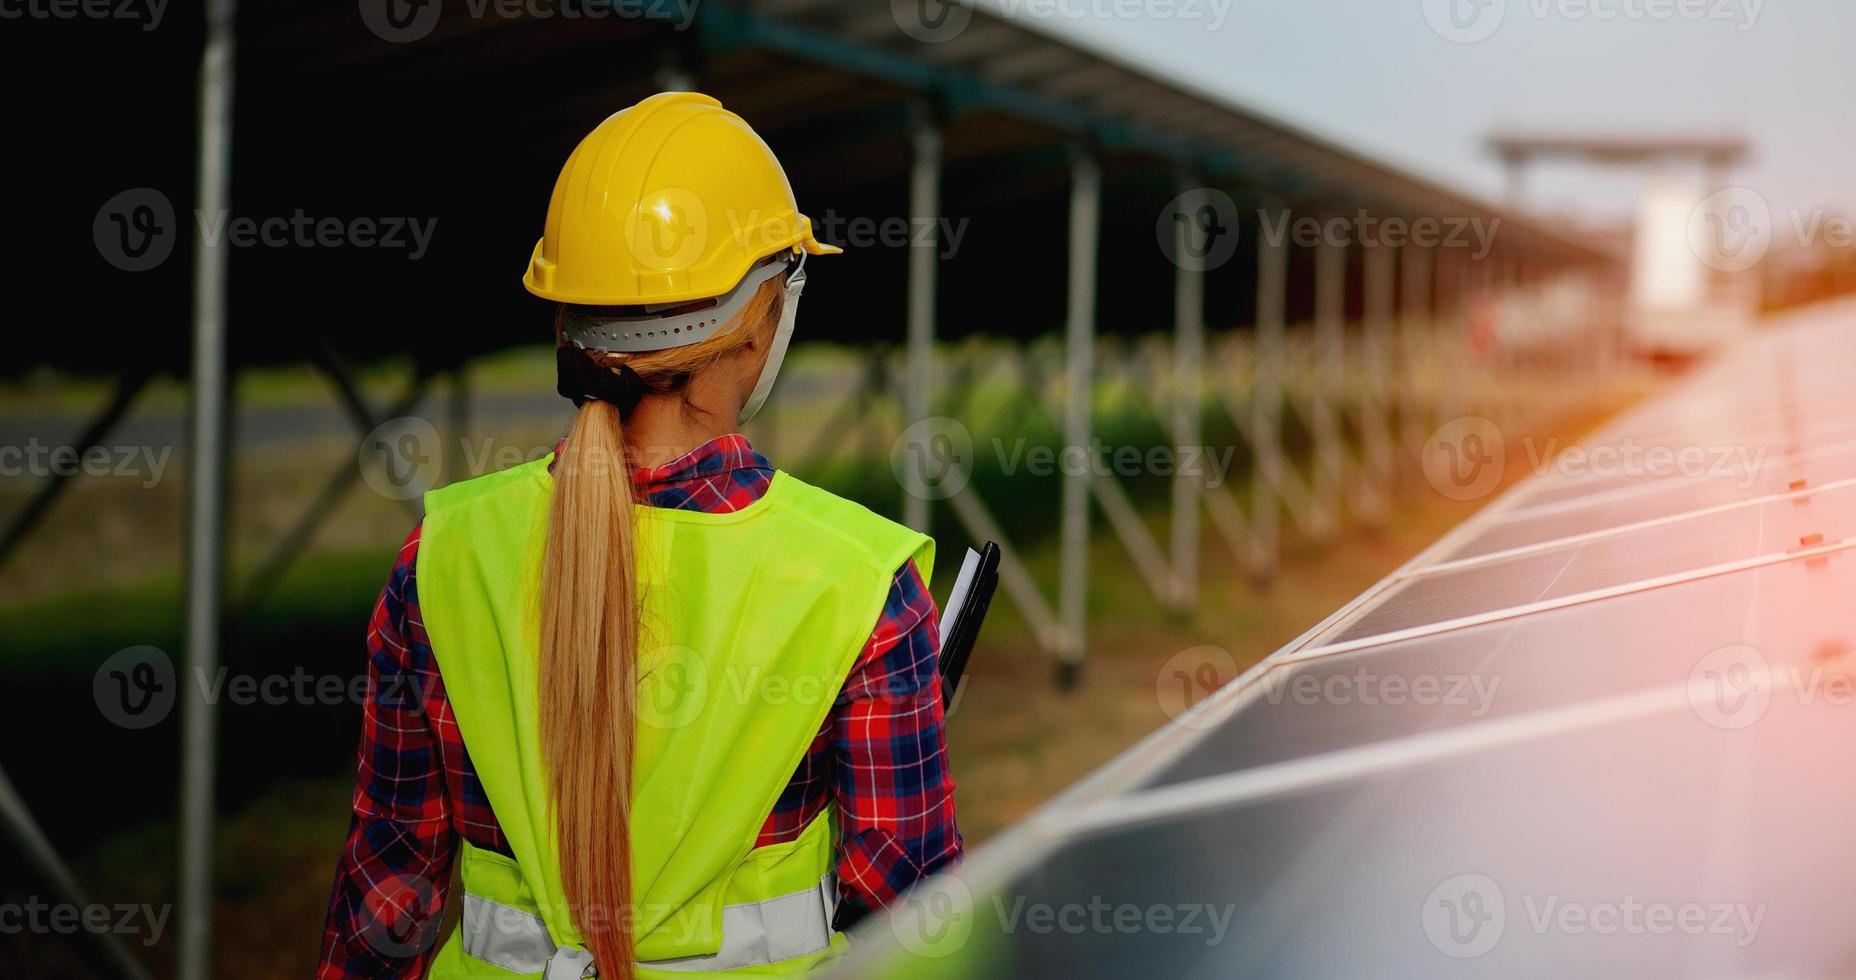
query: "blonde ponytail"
588, 672
589, 679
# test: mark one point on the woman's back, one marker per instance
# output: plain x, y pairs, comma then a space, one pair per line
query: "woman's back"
876, 764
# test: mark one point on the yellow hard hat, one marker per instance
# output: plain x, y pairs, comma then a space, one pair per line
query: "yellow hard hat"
671, 200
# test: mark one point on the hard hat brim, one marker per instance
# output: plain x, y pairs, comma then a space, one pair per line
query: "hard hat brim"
532, 279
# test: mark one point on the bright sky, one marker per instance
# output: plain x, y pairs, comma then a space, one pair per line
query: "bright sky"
1374, 75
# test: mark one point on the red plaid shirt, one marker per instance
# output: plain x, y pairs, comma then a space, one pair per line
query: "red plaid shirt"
881, 755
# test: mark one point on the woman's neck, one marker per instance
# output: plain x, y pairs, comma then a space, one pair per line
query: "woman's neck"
665, 427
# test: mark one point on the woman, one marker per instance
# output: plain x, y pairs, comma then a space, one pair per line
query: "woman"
671, 710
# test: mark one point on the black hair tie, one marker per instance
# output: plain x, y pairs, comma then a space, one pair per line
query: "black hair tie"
579, 377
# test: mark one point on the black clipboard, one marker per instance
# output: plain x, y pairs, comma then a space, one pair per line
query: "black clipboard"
966, 613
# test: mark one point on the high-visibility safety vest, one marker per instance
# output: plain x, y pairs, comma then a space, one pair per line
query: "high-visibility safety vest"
750, 623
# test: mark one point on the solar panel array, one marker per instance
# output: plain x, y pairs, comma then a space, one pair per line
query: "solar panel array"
1601, 729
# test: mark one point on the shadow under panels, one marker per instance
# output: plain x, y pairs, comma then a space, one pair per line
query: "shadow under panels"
1636, 556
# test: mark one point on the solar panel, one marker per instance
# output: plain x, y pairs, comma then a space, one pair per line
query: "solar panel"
1655, 845
1650, 553
1516, 531
1647, 782
1530, 663
1679, 457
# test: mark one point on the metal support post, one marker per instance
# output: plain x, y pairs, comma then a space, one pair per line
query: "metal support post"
1375, 342
1330, 352
925, 209
1266, 404
1188, 359
1416, 351
1079, 361
206, 492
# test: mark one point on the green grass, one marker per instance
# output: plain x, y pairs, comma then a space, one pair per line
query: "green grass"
73, 632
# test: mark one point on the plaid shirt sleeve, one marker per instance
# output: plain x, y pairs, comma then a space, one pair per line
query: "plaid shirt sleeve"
894, 791
395, 867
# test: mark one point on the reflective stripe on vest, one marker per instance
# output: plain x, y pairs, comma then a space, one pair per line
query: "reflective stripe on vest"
753, 934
